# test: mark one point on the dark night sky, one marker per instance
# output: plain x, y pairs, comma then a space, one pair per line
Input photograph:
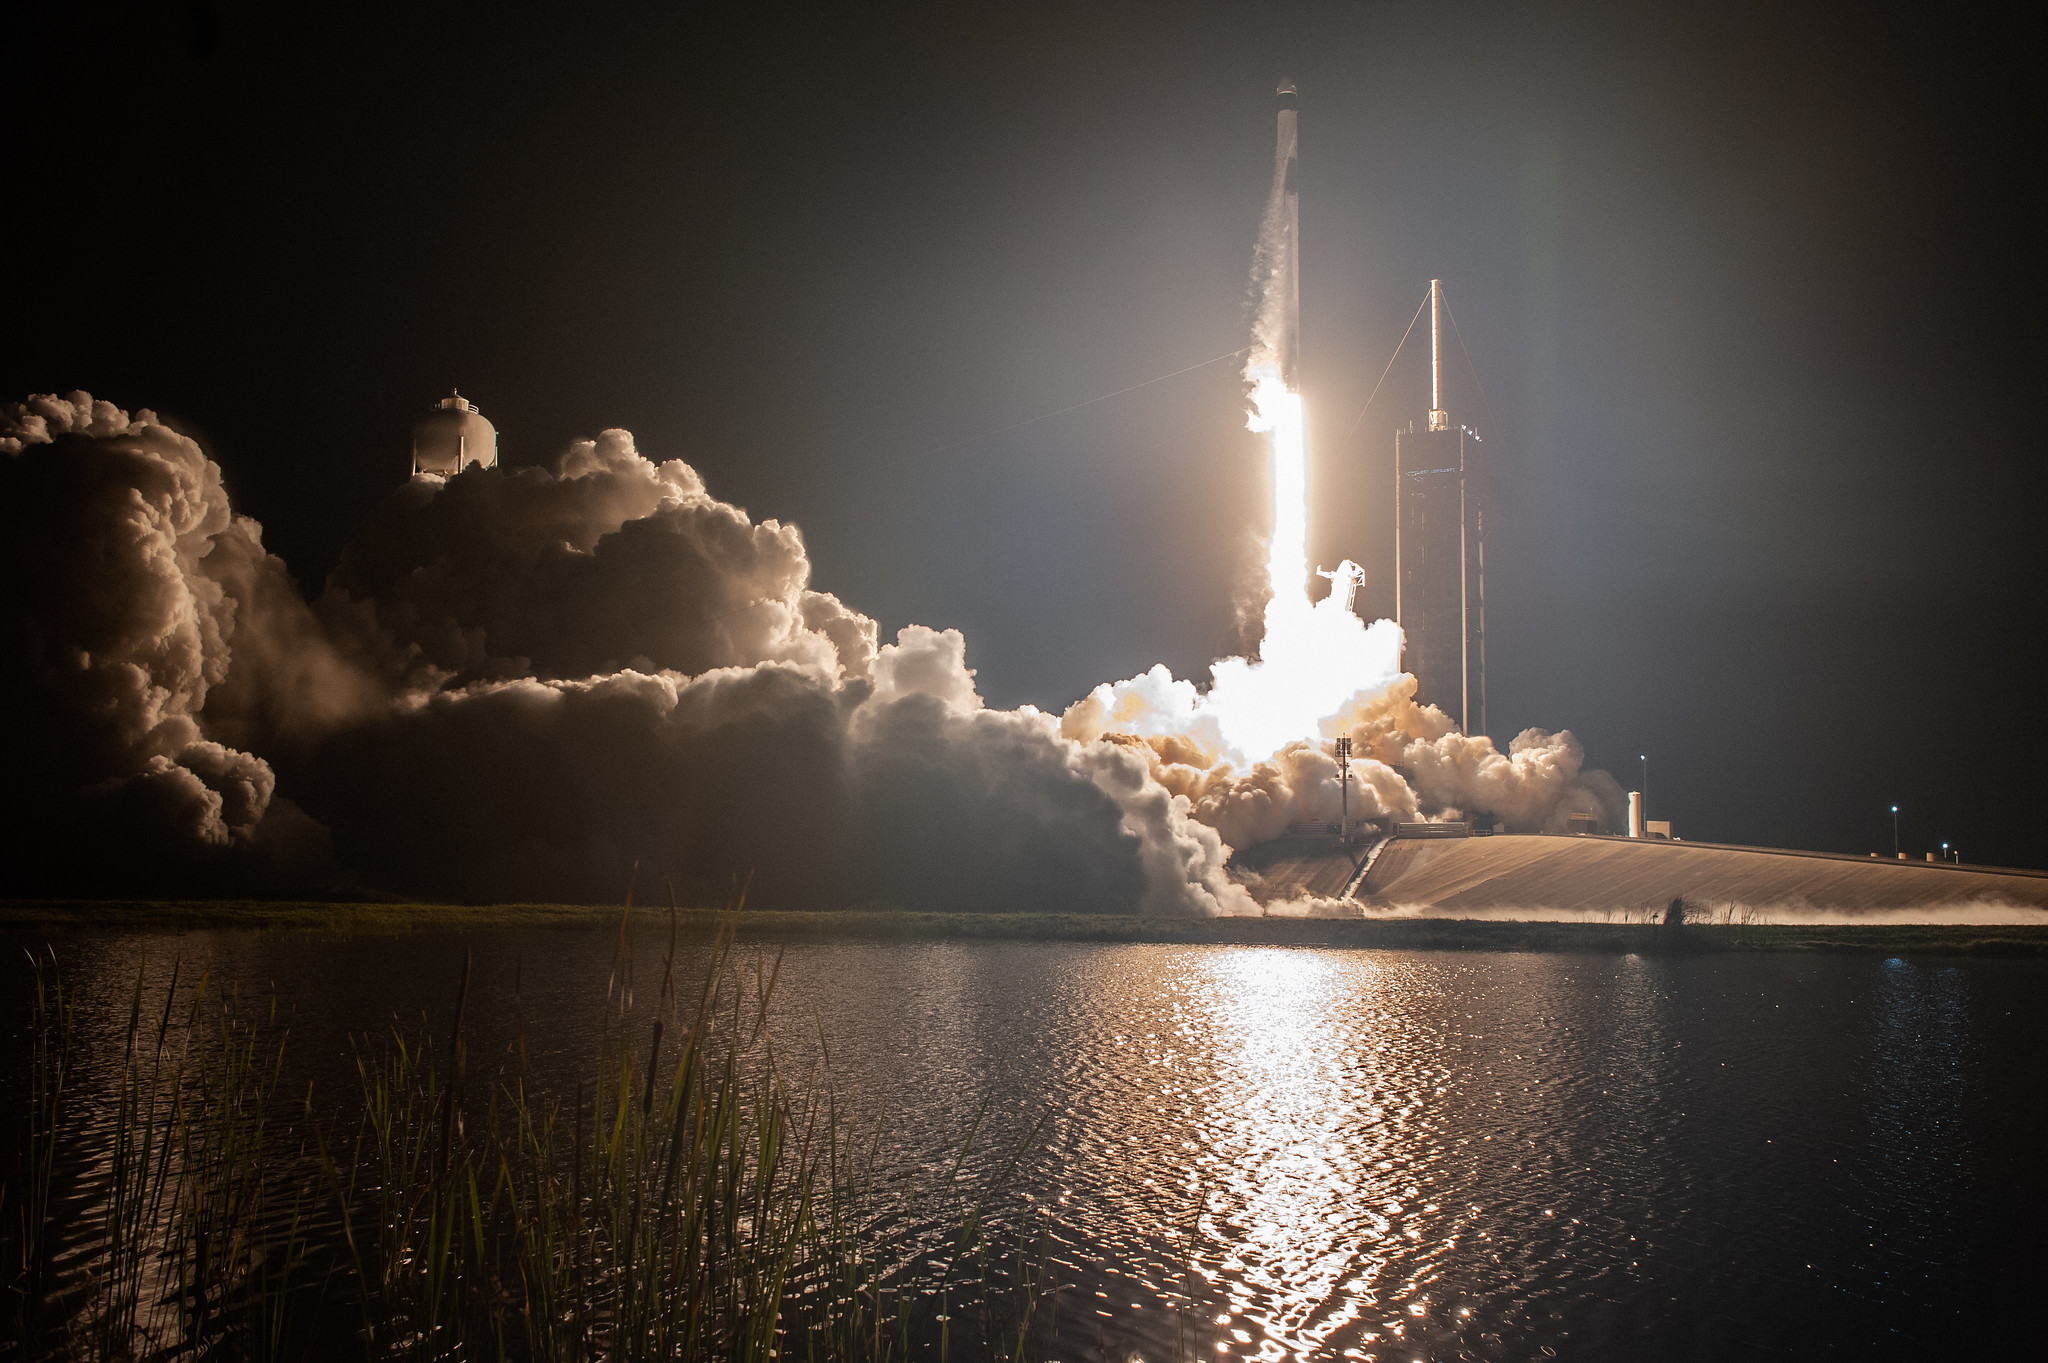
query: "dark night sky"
1753, 291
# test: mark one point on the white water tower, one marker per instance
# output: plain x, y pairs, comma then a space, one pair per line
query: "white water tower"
452, 437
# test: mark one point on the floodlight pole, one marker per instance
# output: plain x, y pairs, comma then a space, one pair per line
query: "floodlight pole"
1344, 779
1895, 832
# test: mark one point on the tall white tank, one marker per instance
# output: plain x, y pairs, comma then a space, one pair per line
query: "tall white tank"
451, 437
1635, 814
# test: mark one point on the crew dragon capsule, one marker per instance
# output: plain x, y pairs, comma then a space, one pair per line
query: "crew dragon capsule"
1286, 283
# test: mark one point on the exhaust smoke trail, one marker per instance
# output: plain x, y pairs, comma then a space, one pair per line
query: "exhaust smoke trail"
1277, 410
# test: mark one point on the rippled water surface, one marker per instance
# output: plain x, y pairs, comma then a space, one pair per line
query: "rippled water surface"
1303, 1153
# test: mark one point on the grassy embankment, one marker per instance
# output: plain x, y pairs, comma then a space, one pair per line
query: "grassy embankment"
1436, 934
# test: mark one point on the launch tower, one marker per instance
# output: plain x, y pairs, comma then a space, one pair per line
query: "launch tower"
1441, 491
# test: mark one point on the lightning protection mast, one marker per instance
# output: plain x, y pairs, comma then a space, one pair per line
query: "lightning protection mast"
1441, 494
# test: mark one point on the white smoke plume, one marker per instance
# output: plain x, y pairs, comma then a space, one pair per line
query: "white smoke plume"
517, 685
520, 683
1410, 763
607, 562
131, 585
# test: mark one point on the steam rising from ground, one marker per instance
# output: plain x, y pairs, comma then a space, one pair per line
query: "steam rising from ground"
518, 683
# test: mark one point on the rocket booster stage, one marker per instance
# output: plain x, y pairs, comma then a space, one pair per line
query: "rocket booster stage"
1286, 211
1275, 394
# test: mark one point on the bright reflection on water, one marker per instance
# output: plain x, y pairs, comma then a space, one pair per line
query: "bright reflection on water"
1294, 1154
1310, 1221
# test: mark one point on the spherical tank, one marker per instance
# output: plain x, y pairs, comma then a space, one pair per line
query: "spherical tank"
453, 436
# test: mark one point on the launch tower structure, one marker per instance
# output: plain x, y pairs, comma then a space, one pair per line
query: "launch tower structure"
1441, 495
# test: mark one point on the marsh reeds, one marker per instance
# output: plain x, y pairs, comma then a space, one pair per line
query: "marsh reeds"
26, 1217
168, 1215
690, 1200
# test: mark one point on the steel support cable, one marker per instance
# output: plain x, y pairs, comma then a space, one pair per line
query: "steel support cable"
1390, 364
1470, 364
1062, 411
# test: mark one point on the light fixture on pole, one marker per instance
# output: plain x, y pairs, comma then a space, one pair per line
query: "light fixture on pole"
1895, 832
1344, 777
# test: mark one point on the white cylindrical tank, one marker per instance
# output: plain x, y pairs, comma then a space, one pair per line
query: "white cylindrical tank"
1635, 814
451, 437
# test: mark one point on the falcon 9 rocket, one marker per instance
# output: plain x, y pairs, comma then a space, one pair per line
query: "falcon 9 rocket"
1275, 395
1286, 208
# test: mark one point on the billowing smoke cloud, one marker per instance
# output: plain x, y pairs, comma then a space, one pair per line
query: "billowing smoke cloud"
1533, 787
520, 683
517, 685
131, 585
1410, 763
900, 790
605, 563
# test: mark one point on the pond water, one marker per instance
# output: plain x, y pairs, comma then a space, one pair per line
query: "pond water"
1316, 1153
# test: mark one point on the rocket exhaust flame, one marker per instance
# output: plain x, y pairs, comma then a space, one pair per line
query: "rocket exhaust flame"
1277, 411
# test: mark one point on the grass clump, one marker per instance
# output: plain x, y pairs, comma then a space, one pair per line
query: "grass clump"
147, 1218
690, 1200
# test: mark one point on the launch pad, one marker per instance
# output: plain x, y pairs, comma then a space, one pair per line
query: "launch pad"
1534, 877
